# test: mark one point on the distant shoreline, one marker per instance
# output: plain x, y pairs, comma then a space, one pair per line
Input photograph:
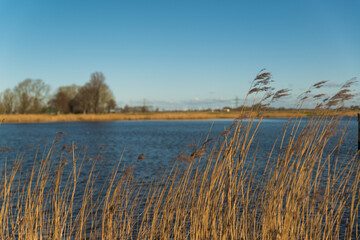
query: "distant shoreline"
38, 118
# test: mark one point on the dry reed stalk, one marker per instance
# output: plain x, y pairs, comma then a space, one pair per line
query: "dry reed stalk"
36, 118
305, 192
217, 200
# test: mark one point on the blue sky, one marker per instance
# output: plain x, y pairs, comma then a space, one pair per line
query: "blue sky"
179, 54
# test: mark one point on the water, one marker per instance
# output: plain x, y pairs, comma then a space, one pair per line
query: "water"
159, 141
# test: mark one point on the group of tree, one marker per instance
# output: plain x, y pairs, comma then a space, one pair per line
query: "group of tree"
33, 96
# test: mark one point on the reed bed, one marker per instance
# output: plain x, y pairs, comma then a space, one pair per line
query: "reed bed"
307, 191
35, 118
209, 194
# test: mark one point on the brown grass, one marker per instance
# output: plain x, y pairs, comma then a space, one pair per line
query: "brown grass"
307, 191
303, 194
34, 118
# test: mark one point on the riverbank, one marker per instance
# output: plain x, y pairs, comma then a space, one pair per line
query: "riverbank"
36, 118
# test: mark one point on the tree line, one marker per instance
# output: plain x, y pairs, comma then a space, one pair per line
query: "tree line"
33, 96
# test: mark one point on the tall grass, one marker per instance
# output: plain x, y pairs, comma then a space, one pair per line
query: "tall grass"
35, 118
305, 192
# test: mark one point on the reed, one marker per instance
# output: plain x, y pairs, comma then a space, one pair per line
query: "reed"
35, 118
305, 192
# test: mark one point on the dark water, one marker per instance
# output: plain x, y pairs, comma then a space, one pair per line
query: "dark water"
159, 141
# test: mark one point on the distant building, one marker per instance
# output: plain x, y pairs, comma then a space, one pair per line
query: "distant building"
226, 109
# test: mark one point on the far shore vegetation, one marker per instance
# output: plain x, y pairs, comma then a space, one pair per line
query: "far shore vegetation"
33, 97
31, 101
188, 115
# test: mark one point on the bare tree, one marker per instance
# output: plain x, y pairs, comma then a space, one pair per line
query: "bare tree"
31, 95
95, 95
40, 93
8, 101
63, 100
110, 105
60, 102
96, 86
107, 100
22, 93
83, 99
70, 91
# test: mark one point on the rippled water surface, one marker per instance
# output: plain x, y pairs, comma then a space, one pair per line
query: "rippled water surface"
159, 141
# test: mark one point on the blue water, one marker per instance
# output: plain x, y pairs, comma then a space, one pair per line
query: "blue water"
159, 141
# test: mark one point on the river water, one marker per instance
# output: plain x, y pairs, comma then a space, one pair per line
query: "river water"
159, 141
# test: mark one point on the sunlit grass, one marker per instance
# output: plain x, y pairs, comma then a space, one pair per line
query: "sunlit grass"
216, 194
34, 118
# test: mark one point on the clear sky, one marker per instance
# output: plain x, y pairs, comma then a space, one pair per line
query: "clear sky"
178, 54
